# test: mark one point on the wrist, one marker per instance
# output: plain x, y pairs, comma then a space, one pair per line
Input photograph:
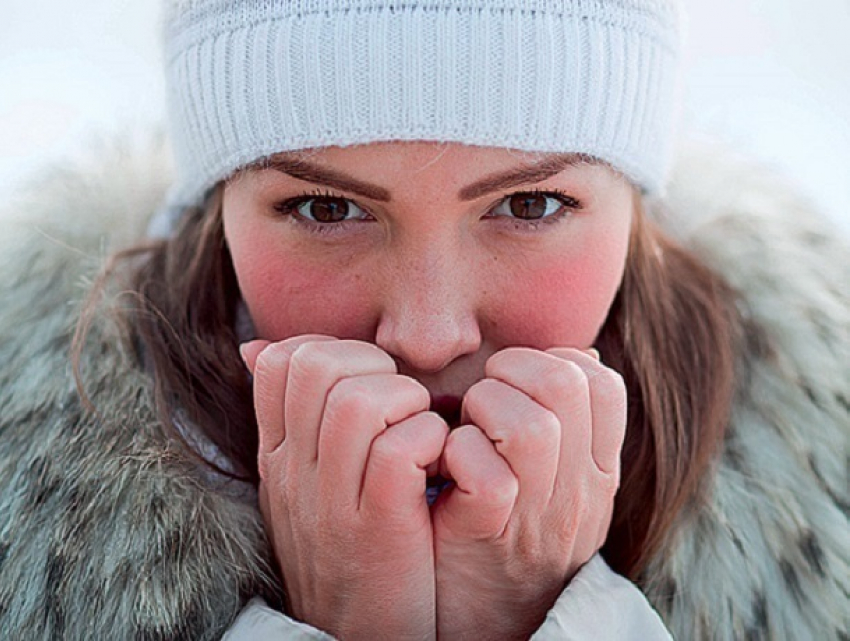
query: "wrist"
481, 610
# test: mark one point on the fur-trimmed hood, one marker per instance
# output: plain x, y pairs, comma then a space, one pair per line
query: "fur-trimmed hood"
108, 530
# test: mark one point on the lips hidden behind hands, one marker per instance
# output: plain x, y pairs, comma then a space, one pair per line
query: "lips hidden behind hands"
448, 407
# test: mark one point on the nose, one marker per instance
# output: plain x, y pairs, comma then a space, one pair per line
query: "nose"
429, 315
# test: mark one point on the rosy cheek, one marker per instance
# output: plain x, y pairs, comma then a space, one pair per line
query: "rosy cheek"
289, 293
561, 301
287, 299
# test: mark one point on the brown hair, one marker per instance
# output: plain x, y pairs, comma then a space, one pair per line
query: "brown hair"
671, 332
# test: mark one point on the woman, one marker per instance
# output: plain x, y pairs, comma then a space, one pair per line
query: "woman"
435, 234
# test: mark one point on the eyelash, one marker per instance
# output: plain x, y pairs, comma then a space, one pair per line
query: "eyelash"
569, 204
289, 206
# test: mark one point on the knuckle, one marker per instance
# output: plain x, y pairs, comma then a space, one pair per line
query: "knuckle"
415, 388
481, 388
542, 430
501, 492
431, 421
610, 385
370, 351
503, 358
388, 448
311, 359
532, 550
410, 382
609, 483
351, 399
477, 395
268, 361
454, 444
458, 437
457, 445
562, 375
381, 354
498, 489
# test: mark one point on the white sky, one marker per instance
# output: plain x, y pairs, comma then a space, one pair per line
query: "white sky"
772, 77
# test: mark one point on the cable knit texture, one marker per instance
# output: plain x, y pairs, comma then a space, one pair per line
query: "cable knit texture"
109, 531
249, 79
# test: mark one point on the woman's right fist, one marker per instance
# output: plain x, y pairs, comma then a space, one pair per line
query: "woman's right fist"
345, 442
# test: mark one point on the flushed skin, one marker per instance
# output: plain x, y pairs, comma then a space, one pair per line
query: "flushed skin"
361, 468
438, 278
431, 288
81, 556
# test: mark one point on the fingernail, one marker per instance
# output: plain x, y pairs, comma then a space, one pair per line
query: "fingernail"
242, 348
593, 352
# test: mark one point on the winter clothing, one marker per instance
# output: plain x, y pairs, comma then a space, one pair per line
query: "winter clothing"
250, 79
598, 604
108, 530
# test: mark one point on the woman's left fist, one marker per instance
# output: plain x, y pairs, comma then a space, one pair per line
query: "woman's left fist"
535, 465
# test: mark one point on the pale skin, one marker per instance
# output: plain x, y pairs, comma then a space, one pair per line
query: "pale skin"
397, 306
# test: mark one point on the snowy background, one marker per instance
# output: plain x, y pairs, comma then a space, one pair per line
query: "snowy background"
772, 77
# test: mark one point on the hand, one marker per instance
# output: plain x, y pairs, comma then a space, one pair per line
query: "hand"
344, 446
535, 468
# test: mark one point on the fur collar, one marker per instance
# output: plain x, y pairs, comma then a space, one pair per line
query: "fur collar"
769, 557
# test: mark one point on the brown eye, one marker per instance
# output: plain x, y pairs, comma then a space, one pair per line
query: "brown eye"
323, 209
536, 205
528, 206
327, 210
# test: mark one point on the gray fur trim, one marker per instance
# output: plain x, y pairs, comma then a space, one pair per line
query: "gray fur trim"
107, 529
769, 557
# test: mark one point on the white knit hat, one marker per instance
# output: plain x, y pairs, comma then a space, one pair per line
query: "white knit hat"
249, 78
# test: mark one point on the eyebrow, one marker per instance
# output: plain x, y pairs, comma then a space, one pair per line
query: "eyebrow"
299, 168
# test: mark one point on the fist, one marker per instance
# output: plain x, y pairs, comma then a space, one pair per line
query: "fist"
345, 443
535, 466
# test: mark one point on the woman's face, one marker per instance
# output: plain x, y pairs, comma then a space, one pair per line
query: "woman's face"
441, 254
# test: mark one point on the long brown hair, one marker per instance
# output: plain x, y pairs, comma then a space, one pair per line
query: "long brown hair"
672, 333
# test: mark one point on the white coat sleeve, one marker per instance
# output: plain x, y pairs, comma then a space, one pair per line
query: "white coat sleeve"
597, 605
601, 605
259, 622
